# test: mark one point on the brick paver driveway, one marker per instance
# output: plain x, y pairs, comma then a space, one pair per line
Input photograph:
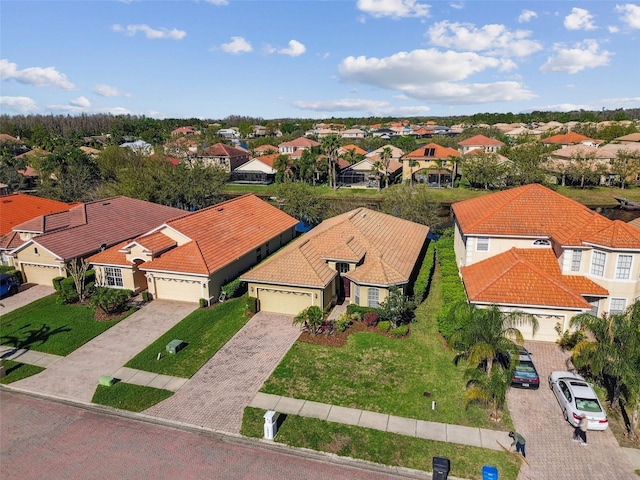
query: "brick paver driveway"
550, 451
215, 397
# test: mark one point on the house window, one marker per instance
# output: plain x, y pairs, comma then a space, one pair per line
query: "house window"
623, 268
576, 260
541, 242
594, 307
597, 263
617, 306
483, 244
373, 297
258, 254
343, 267
357, 294
35, 251
113, 277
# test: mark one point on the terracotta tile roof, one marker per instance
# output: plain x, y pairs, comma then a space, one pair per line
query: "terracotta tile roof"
300, 142
17, 208
221, 234
480, 140
89, 150
155, 242
223, 150
111, 256
567, 138
269, 159
355, 148
389, 247
265, 148
536, 211
617, 234
438, 152
528, 277
35, 151
583, 151
103, 222
6, 138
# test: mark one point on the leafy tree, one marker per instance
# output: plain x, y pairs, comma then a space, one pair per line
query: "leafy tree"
484, 171
301, 201
310, 318
405, 143
110, 300
68, 175
330, 146
411, 203
585, 168
625, 165
9, 170
396, 309
281, 166
305, 166
526, 160
490, 390
77, 270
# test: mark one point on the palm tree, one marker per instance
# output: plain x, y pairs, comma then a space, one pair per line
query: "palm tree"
385, 158
486, 334
310, 318
330, 146
488, 389
377, 167
412, 164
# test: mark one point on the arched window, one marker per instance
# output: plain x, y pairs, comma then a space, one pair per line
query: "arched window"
541, 242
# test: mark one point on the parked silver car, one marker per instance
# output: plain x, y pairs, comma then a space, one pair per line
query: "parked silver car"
576, 397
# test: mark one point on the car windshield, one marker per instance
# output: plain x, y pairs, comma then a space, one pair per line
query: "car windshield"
588, 405
525, 367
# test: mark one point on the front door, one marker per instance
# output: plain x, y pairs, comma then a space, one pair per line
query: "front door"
345, 287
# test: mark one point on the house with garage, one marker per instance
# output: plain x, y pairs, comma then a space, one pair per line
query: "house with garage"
356, 256
191, 257
531, 249
51, 241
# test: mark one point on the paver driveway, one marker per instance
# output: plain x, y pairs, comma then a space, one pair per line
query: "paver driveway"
215, 397
550, 451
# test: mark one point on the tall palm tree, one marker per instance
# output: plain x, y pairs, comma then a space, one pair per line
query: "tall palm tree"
412, 164
385, 158
487, 333
377, 168
330, 146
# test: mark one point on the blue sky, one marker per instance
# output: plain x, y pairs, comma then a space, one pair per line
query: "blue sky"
317, 58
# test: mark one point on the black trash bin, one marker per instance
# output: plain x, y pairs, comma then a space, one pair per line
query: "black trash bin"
441, 468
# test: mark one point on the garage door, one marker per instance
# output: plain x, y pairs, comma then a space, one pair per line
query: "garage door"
280, 301
182, 291
40, 274
546, 328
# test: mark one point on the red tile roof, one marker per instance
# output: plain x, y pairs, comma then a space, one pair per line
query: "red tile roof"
221, 234
528, 277
223, 150
536, 211
265, 148
17, 208
439, 152
83, 229
356, 149
300, 142
567, 138
388, 247
6, 138
480, 140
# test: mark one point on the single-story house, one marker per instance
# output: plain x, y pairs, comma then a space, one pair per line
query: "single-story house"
534, 250
362, 173
192, 256
51, 241
256, 171
357, 256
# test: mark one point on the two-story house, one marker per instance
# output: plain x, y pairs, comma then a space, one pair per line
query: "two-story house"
300, 143
431, 163
489, 145
224, 156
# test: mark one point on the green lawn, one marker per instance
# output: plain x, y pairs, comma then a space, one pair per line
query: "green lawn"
126, 396
205, 331
381, 447
385, 375
17, 371
49, 327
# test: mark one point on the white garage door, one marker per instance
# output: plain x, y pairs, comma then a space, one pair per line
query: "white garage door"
280, 301
546, 328
40, 274
182, 291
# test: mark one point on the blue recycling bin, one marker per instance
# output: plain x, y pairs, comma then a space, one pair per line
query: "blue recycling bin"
489, 472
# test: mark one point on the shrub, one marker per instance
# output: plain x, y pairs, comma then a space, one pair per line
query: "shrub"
353, 308
371, 319
110, 300
401, 331
355, 316
89, 276
452, 288
252, 304
234, 288
146, 296
569, 340
342, 322
384, 325
57, 283
423, 280
311, 318
66, 296
203, 302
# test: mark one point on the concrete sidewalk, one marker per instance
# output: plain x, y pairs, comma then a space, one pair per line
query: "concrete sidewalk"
441, 432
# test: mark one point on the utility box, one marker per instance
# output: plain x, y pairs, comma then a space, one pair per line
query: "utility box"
270, 425
441, 468
174, 346
489, 472
107, 381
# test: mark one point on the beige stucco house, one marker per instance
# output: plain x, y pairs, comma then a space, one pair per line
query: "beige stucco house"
534, 250
191, 257
356, 256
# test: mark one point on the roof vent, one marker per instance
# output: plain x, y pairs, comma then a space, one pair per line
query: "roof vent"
106, 203
363, 215
220, 209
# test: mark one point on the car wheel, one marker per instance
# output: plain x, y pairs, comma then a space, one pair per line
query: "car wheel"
566, 416
13, 290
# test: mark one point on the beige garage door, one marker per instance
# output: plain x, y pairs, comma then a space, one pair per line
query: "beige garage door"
546, 328
40, 274
182, 291
280, 301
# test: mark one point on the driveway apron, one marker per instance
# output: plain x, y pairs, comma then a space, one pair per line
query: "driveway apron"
550, 451
76, 375
26, 294
217, 394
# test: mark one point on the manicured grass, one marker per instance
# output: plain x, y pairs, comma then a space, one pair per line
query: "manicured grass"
49, 327
381, 447
205, 331
17, 371
126, 396
385, 375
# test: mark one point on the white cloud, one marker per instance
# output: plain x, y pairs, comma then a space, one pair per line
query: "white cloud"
457, 6
432, 75
105, 90
560, 107
583, 55
66, 109
219, 3
526, 16
579, 19
613, 29
36, 76
295, 49
82, 102
494, 39
368, 107
114, 110
150, 33
630, 14
393, 8
237, 45
18, 104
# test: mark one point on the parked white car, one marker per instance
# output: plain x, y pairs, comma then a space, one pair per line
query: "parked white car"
576, 397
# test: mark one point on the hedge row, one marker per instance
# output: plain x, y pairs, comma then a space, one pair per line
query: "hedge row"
423, 280
452, 288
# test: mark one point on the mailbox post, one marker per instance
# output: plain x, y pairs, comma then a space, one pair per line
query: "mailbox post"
270, 425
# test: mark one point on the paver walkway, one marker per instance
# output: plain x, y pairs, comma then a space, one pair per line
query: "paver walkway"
215, 397
442, 432
26, 294
76, 376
